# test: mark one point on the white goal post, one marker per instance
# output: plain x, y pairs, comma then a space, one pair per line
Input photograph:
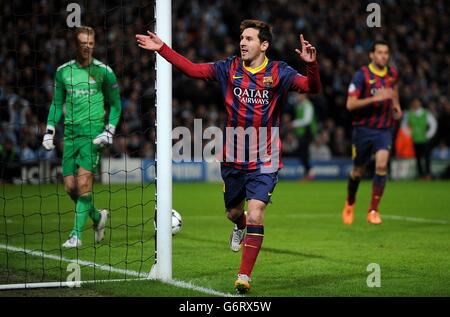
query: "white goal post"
162, 268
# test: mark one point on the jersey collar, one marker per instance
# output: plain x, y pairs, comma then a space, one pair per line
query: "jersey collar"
257, 69
93, 62
380, 73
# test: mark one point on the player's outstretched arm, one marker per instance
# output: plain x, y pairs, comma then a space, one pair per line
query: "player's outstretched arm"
153, 43
310, 83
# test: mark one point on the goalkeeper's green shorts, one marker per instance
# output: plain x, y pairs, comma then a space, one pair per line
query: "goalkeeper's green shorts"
79, 151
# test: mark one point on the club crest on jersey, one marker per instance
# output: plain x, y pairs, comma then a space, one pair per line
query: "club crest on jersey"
92, 79
267, 81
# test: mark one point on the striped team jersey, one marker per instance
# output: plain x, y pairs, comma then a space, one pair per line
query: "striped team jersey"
365, 83
253, 100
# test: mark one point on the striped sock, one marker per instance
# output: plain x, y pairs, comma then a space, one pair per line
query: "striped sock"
352, 188
251, 246
379, 182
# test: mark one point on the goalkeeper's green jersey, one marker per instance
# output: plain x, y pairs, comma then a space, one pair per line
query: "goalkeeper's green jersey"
83, 90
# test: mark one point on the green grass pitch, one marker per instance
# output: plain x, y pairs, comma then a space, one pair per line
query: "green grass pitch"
307, 251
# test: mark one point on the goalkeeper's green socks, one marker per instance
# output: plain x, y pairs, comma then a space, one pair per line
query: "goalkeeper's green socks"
84, 208
95, 215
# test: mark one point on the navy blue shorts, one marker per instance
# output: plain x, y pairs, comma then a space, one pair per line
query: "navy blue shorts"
241, 184
367, 141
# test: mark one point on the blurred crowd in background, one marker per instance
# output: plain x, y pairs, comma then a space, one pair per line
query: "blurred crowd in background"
36, 40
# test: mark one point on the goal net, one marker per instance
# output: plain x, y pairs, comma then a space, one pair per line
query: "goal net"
37, 215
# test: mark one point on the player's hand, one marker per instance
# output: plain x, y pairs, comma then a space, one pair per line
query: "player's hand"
308, 52
397, 113
149, 42
47, 142
383, 94
106, 137
397, 110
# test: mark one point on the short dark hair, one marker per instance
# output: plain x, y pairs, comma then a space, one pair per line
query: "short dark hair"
265, 30
378, 42
84, 29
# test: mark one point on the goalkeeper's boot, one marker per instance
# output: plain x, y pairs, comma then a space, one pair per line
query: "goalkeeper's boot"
72, 242
374, 218
348, 213
236, 237
99, 229
242, 284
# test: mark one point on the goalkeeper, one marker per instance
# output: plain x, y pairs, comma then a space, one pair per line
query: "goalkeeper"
83, 85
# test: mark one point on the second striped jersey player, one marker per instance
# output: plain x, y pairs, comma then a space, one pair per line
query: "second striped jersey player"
374, 105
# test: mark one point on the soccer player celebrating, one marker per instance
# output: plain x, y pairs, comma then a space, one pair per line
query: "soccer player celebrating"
374, 104
255, 89
82, 84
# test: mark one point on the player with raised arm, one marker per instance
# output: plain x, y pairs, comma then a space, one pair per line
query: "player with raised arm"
374, 103
255, 89
82, 85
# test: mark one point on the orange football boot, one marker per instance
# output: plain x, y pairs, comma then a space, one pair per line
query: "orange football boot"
374, 218
348, 213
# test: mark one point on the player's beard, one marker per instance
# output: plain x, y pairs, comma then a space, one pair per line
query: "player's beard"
381, 64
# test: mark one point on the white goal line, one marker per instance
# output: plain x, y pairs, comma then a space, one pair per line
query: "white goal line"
60, 284
108, 268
